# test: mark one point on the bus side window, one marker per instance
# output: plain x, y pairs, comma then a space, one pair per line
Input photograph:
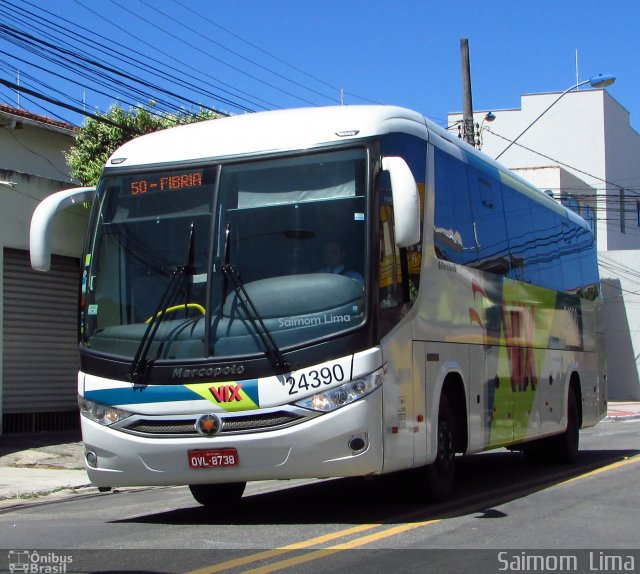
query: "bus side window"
491, 232
454, 235
520, 213
588, 264
570, 257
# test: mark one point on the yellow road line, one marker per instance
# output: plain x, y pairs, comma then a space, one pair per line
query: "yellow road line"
399, 529
356, 542
283, 549
628, 460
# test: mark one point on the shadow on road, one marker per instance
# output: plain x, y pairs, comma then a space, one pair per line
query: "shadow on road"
483, 481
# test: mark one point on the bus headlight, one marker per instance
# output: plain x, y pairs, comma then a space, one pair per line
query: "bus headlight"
337, 397
102, 414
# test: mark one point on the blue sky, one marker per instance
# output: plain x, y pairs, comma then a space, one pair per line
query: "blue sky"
290, 53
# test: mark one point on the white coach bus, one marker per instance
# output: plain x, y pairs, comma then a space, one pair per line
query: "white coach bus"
326, 292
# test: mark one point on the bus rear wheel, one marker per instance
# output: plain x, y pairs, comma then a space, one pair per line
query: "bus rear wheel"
441, 472
219, 496
564, 447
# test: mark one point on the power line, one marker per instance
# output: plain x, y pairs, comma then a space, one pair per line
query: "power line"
86, 54
101, 119
276, 58
112, 50
558, 161
237, 54
61, 28
256, 47
198, 49
186, 65
78, 63
83, 61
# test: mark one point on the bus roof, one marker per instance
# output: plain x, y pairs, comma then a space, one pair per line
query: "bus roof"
296, 129
266, 132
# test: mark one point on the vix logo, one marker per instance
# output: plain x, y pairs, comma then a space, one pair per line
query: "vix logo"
226, 393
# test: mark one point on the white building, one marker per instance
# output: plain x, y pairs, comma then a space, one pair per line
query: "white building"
585, 152
38, 311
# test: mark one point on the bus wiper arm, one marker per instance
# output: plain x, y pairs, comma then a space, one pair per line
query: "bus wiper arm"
140, 364
274, 354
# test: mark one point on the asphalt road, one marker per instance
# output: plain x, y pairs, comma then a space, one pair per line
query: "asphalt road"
504, 513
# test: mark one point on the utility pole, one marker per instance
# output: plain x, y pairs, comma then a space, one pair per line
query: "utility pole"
468, 132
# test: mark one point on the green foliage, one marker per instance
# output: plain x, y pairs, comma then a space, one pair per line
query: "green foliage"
97, 140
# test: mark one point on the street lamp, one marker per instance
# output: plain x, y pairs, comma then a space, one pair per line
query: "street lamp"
601, 81
489, 117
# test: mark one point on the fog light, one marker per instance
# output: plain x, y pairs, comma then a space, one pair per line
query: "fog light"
358, 443
91, 458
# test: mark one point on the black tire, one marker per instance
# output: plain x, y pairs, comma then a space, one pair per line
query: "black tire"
223, 495
564, 447
441, 472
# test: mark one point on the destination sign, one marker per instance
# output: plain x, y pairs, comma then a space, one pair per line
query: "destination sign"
161, 182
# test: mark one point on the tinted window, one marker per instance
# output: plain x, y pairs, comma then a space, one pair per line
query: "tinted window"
547, 238
454, 235
520, 213
491, 232
571, 272
491, 221
588, 264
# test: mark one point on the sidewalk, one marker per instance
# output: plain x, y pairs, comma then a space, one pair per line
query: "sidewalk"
33, 465
620, 411
47, 464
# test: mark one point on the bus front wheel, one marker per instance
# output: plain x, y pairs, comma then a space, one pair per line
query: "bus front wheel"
218, 496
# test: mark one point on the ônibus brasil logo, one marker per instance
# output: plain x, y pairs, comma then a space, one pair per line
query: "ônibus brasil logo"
38, 562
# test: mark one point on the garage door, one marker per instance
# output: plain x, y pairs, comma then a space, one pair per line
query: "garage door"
39, 339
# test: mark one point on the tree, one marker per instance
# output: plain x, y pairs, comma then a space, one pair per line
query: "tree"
97, 140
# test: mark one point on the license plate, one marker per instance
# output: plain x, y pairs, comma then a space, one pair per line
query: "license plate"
215, 458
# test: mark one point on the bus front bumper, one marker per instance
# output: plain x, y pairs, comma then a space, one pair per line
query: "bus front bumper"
320, 447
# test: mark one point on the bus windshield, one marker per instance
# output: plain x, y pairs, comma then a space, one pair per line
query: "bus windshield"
175, 253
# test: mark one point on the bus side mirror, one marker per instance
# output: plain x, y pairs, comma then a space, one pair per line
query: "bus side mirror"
406, 201
40, 231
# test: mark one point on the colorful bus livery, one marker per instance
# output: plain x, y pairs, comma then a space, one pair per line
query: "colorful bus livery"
325, 292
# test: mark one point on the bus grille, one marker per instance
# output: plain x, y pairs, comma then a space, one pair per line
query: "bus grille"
230, 424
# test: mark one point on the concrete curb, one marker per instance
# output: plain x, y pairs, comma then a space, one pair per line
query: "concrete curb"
622, 417
21, 484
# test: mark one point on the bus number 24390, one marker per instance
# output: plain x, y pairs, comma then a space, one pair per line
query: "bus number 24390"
314, 379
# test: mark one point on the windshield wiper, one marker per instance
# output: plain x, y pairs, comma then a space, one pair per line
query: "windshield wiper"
140, 364
274, 354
